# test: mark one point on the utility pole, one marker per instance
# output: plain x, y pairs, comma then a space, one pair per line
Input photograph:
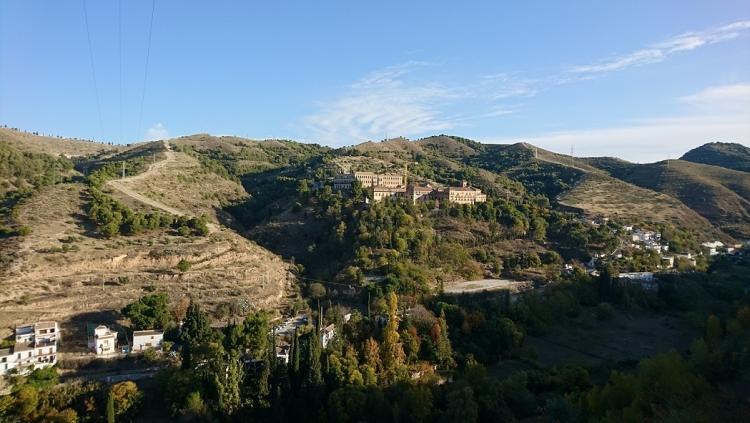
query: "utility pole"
571, 155
123, 169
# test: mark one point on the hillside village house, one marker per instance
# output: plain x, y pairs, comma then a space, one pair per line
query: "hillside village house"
146, 339
102, 340
327, 334
35, 348
713, 247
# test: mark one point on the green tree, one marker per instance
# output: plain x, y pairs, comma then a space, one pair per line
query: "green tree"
149, 312
183, 265
126, 398
714, 331
195, 332
443, 343
226, 375
27, 401
314, 375
110, 412
391, 350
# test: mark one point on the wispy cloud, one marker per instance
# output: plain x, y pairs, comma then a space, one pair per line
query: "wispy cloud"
399, 101
157, 132
383, 104
662, 50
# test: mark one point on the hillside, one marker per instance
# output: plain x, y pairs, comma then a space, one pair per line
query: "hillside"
31, 143
720, 195
570, 181
63, 269
728, 155
22, 170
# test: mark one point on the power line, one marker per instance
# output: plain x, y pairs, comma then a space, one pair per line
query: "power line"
93, 69
119, 36
145, 72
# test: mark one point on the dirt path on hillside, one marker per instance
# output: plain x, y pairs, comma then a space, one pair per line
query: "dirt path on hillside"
122, 186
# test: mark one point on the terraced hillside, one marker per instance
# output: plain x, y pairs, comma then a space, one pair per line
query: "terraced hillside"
62, 269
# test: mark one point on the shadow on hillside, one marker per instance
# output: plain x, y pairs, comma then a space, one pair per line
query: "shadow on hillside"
74, 330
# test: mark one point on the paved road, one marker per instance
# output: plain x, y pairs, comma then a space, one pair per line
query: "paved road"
290, 324
113, 377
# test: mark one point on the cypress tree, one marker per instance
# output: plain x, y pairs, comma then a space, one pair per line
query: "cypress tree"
444, 350
110, 408
312, 360
391, 348
294, 361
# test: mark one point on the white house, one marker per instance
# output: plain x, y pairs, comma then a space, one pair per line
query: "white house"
35, 347
145, 339
667, 262
103, 340
327, 334
282, 353
646, 280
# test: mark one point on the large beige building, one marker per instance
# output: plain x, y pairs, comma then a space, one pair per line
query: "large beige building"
344, 181
461, 195
393, 185
35, 347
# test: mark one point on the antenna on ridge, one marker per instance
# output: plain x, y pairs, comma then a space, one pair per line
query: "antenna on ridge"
571, 155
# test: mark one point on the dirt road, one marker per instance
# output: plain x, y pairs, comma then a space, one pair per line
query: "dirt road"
485, 285
122, 184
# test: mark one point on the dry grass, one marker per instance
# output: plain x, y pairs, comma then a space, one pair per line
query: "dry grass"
61, 271
183, 184
605, 196
55, 146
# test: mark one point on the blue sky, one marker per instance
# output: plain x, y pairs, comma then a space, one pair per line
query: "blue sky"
641, 80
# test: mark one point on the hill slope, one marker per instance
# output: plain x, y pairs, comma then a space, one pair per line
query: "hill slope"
729, 155
720, 195
62, 269
31, 143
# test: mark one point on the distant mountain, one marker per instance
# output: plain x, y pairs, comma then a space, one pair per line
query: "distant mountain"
730, 155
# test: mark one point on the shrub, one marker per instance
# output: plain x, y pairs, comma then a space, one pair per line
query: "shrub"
183, 265
605, 311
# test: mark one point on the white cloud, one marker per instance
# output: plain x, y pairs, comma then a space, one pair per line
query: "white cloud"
645, 141
721, 98
660, 51
157, 132
505, 85
382, 104
650, 140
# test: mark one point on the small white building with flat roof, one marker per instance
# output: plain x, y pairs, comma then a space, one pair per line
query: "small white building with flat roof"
35, 348
147, 339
